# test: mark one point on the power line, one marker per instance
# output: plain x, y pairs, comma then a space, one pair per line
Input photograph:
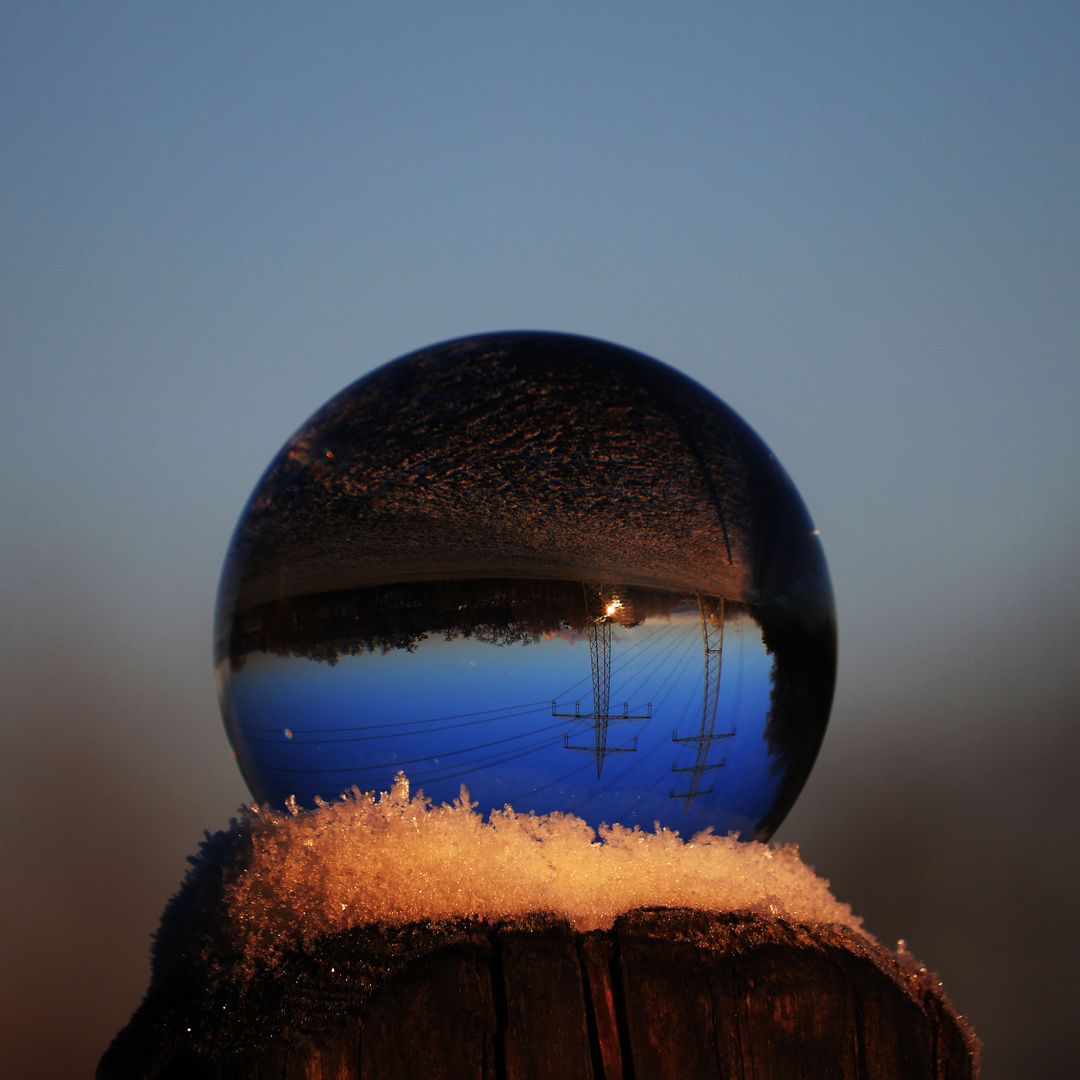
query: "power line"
712, 634
601, 605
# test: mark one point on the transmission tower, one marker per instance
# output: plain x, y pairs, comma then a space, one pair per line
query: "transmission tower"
712, 634
601, 605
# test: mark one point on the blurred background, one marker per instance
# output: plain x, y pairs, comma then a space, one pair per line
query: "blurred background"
857, 224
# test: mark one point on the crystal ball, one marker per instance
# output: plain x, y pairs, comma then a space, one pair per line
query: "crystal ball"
545, 567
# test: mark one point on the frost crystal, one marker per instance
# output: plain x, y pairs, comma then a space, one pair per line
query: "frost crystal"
394, 858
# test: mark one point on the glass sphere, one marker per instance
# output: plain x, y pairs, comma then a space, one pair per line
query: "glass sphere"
543, 566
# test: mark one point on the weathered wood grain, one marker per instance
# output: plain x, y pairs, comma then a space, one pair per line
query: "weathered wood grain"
663, 995
546, 1033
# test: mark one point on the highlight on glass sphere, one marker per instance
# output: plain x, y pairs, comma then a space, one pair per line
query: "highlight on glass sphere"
543, 566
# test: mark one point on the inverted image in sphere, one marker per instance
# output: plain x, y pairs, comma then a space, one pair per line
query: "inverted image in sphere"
543, 566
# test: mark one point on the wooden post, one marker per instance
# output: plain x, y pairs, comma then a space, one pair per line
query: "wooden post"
668, 994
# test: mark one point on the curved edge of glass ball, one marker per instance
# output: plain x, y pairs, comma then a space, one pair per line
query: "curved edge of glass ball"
531, 455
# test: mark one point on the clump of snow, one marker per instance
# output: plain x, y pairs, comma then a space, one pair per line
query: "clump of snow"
393, 858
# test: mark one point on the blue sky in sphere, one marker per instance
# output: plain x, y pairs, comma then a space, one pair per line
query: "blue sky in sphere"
501, 719
858, 224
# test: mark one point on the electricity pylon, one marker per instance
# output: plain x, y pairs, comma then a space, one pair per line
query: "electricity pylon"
601, 604
712, 633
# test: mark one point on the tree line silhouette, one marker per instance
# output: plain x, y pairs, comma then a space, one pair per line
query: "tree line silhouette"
325, 626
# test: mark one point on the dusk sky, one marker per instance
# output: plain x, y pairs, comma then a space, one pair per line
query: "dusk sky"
859, 225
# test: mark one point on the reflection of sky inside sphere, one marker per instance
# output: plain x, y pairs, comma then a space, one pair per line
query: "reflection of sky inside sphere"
463, 711
542, 566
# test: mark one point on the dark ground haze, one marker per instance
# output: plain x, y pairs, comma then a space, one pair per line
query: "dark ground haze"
943, 808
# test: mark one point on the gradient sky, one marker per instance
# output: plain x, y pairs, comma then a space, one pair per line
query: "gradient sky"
857, 224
